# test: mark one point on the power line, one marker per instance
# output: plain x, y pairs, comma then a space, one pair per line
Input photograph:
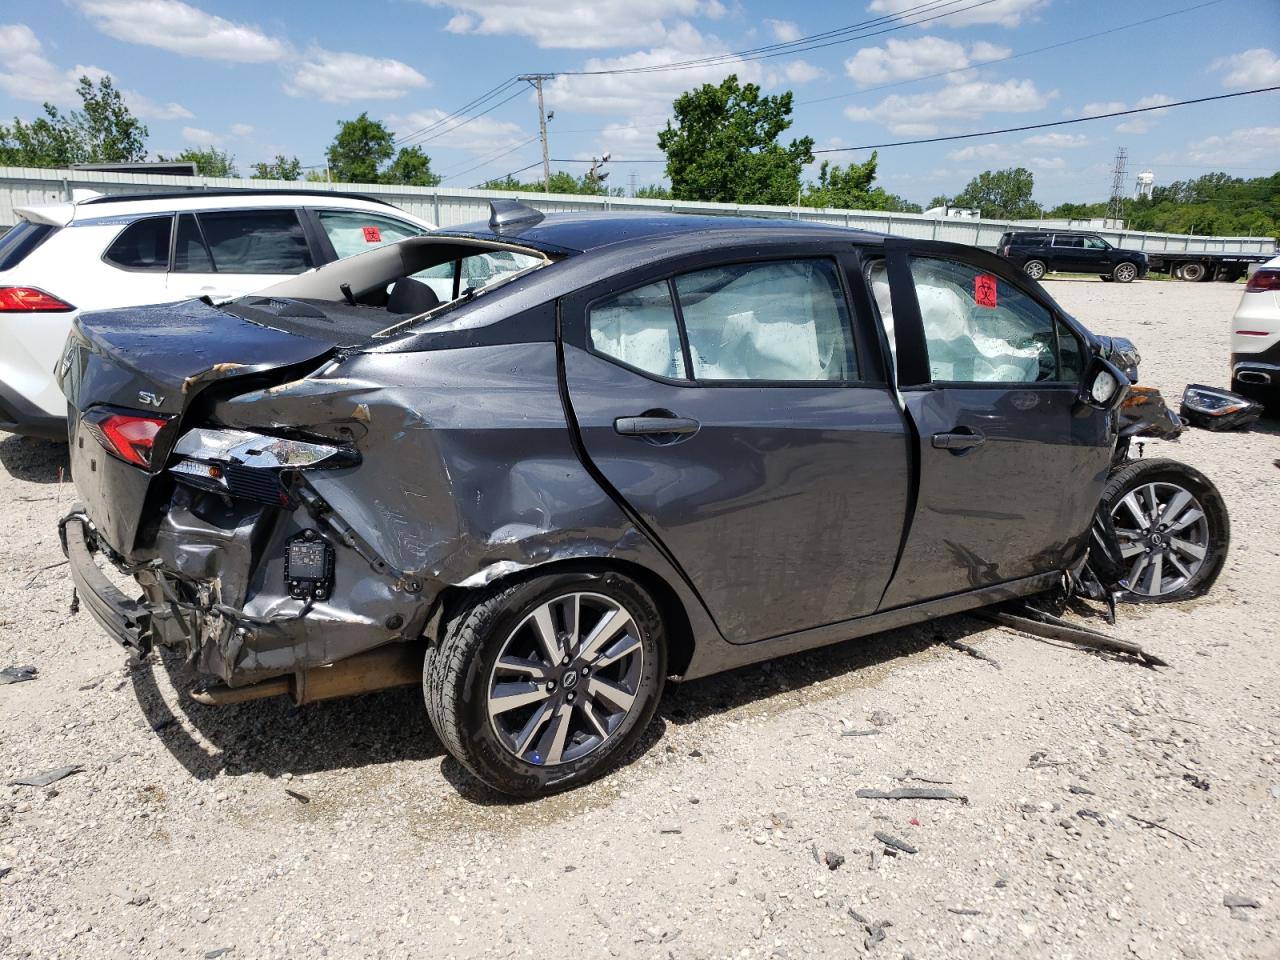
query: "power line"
1012, 56
471, 119
992, 133
856, 31
488, 160
536, 163
460, 111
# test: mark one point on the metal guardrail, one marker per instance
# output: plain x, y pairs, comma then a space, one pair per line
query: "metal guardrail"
449, 206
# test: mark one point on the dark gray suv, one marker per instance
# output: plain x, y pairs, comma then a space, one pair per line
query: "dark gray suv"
657, 446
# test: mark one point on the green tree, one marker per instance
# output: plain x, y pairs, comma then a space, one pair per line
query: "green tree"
102, 131
209, 161
941, 200
412, 167
281, 168
844, 187
653, 192
724, 146
1001, 194
359, 150
561, 182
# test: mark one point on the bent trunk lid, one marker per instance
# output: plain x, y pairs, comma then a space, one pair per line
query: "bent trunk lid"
157, 361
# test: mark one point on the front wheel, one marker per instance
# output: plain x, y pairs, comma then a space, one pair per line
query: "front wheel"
544, 685
1035, 269
1172, 528
1125, 273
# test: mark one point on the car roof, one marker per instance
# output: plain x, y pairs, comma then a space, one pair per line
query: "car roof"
584, 232
235, 192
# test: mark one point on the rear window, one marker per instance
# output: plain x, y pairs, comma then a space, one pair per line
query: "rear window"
18, 242
258, 241
143, 245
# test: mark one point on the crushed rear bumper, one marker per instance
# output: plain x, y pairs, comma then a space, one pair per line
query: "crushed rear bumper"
125, 620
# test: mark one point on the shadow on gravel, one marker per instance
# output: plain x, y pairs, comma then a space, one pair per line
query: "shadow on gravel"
272, 736
36, 461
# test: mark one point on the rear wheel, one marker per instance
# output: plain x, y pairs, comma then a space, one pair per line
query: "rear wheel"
1191, 272
1035, 269
1172, 528
547, 684
1125, 273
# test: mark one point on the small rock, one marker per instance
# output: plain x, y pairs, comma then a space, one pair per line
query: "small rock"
881, 718
833, 860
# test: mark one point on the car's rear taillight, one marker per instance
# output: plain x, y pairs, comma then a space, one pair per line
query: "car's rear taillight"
30, 300
125, 435
1262, 281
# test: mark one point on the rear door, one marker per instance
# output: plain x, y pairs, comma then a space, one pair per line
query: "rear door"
227, 253
1011, 464
743, 417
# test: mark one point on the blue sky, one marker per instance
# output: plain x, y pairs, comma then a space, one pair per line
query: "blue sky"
258, 79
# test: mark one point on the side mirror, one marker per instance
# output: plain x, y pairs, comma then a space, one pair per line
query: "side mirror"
1105, 385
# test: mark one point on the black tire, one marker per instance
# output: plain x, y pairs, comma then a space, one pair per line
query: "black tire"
1124, 273
1139, 473
1192, 272
1105, 277
456, 675
1035, 269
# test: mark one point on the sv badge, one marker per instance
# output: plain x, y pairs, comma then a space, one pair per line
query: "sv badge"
149, 398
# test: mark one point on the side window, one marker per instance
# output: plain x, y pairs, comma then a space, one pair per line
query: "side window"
980, 329
1070, 355
257, 241
1095, 243
352, 232
143, 245
767, 321
1068, 241
478, 271
639, 328
190, 255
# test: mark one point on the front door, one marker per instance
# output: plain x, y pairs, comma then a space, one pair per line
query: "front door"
1011, 465
1068, 254
745, 422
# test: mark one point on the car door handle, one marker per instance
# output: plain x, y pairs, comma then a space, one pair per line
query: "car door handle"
962, 438
648, 426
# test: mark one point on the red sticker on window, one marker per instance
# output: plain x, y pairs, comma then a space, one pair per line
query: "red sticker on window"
984, 290
372, 235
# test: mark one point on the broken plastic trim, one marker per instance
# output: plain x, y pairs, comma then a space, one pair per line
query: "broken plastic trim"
260, 451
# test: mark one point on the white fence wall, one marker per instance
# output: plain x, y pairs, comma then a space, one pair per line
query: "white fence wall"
449, 206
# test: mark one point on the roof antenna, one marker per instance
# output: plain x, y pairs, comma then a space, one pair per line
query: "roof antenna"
512, 215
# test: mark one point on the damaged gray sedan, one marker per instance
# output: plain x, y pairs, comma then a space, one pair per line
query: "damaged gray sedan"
541, 465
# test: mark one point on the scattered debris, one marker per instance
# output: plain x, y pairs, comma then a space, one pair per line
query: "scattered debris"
875, 931
876, 856
46, 777
893, 843
671, 830
1240, 906
1038, 761
1213, 409
218, 952
1038, 623
130, 896
910, 774
300, 797
5, 871
849, 732
1198, 782
1081, 791
1152, 825
964, 911
1099, 818
881, 718
17, 674
910, 793
832, 860
971, 651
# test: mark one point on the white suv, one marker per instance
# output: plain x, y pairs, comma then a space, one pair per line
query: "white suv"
116, 251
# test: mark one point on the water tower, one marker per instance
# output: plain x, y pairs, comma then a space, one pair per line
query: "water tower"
1145, 180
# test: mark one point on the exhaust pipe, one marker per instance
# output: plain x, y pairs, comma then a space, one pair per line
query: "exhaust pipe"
1253, 376
394, 665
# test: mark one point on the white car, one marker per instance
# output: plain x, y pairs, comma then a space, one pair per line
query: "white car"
100, 252
1255, 336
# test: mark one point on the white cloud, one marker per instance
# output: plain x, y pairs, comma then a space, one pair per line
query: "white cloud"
923, 56
635, 93
241, 129
481, 135
1047, 164
1097, 109
1142, 122
148, 109
1252, 68
575, 24
920, 114
1058, 141
802, 71
27, 74
201, 137
1238, 147
784, 31
1006, 13
979, 151
181, 28
345, 77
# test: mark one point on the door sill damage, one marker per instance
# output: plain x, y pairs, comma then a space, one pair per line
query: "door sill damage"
1024, 618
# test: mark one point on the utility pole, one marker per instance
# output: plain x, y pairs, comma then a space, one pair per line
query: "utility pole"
536, 79
1115, 209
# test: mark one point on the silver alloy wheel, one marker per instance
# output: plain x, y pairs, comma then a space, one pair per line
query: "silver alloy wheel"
1164, 536
566, 678
1034, 269
1125, 272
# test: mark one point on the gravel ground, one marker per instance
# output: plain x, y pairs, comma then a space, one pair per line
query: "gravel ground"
1110, 808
